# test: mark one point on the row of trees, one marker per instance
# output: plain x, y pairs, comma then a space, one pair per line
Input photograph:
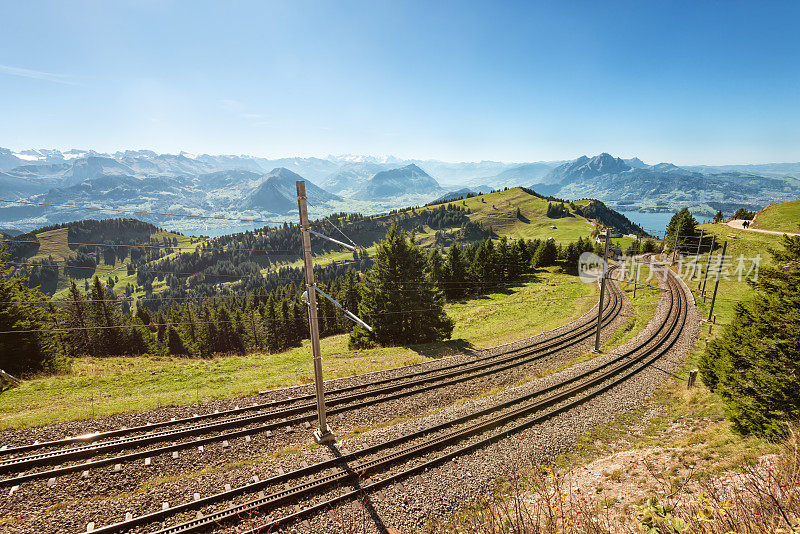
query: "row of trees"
557, 211
401, 296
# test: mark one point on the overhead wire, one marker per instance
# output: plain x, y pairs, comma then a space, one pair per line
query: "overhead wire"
245, 321
195, 246
141, 212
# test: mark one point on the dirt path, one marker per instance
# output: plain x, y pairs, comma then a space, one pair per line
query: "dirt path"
737, 223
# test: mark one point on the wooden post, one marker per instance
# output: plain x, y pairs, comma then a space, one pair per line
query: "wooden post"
323, 435
692, 378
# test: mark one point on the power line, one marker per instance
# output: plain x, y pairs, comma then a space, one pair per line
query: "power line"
195, 247
142, 212
245, 321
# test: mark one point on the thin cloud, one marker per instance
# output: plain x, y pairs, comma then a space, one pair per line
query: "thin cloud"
237, 108
37, 75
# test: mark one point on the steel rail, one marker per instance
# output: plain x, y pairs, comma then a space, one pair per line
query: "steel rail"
148, 427
393, 392
58, 471
256, 504
363, 468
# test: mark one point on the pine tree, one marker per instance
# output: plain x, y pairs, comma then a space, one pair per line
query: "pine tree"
546, 254
483, 270
272, 335
78, 336
399, 298
107, 339
571, 256
682, 222
175, 344
437, 267
455, 273
755, 364
27, 352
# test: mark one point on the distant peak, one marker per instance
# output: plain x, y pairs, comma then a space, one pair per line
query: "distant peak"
284, 174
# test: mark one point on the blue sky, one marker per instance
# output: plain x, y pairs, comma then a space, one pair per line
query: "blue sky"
694, 82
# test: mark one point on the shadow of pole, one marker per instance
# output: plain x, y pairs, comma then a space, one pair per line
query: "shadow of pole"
366, 502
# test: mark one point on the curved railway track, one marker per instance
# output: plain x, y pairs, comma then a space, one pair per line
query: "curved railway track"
313, 488
234, 424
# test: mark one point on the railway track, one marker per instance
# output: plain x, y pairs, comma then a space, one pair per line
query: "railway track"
237, 423
312, 489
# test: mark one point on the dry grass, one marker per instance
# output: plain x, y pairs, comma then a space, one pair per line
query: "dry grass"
530, 498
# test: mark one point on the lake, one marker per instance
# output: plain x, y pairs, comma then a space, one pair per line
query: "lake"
653, 223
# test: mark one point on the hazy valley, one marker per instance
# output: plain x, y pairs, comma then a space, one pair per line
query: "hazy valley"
246, 187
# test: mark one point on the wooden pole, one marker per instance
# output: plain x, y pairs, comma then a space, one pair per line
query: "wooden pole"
708, 265
602, 295
323, 434
675, 246
716, 284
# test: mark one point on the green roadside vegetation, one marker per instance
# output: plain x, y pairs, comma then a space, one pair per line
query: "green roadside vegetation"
711, 436
101, 386
680, 442
692, 425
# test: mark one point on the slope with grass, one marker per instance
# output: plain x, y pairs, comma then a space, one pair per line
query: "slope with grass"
781, 217
499, 212
496, 211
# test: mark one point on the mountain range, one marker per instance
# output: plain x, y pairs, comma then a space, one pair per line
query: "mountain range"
633, 185
248, 187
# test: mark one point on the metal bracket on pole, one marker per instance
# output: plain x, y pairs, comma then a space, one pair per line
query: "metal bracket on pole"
350, 315
345, 245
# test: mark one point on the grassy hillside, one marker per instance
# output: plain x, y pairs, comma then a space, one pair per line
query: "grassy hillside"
498, 211
55, 243
781, 217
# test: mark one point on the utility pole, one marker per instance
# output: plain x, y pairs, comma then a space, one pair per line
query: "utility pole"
708, 264
253, 324
675, 247
602, 295
324, 434
716, 284
700, 242
636, 280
